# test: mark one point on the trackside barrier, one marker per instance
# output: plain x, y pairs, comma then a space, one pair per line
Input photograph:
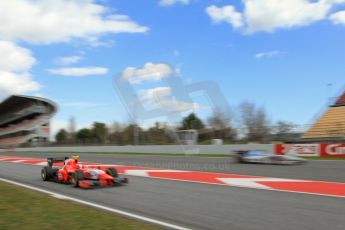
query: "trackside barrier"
317, 149
161, 149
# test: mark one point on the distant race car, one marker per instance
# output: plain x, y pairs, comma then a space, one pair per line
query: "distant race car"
71, 172
261, 157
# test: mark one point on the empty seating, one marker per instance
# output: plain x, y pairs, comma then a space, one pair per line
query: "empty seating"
13, 140
331, 124
24, 125
20, 115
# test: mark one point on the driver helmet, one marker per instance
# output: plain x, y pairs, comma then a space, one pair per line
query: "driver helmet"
75, 158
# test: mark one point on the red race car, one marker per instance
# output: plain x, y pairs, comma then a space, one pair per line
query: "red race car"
71, 172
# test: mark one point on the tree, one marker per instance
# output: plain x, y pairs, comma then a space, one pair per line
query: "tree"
221, 126
157, 134
115, 135
85, 135
255, 122
284, 131
100, 132
284, 127
116, 127
61, 136
128, 134
192, 122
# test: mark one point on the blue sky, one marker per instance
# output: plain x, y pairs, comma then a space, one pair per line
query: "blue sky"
279, 55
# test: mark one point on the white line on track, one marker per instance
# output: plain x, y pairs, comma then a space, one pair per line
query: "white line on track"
117, 211
18, 161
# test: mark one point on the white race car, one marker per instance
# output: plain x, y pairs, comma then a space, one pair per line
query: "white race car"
262, 157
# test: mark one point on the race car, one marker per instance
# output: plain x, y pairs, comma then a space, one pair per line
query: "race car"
262, 157
70, 171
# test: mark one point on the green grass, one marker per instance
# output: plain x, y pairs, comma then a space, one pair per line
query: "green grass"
28, 210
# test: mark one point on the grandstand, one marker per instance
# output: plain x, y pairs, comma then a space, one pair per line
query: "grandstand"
25, 120
331, 125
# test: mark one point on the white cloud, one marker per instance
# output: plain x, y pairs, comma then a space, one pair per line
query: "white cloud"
338, 18
225, 14
15, 58
52, 21
15, 64
68, 60
79, 71
173, 2
149, 72
270, 15
161, 98
269, 54
96, 42
13, 83
158, 92
60, 20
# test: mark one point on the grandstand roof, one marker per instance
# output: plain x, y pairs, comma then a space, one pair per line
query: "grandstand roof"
17, 100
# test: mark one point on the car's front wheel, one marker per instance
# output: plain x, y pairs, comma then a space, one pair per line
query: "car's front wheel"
74, 180
112, 172
76, 177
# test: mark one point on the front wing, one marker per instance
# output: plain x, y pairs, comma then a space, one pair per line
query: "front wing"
278, 160
101, 183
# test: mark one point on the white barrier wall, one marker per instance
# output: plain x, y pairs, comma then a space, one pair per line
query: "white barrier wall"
182, 149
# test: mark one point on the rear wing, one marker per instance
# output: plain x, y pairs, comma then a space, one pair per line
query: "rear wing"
52, 160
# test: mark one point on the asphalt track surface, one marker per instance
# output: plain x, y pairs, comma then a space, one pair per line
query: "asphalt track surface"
204, 206
313, 170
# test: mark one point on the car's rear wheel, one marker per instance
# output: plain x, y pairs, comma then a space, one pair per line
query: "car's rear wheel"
44, 174
238, 159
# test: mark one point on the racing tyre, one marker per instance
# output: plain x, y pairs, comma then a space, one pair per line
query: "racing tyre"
44, 174
76, 177
112, 172
236, 159
74, 180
